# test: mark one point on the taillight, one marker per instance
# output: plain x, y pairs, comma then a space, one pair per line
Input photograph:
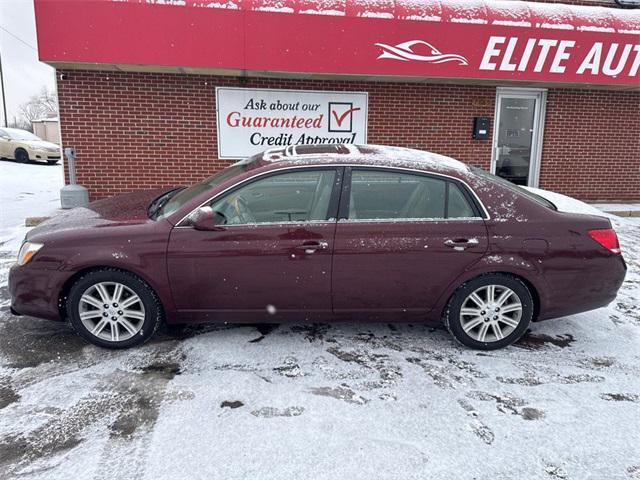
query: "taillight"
607, 238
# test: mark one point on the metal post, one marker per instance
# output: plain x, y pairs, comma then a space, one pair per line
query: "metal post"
73, 195
70, 153
4, 99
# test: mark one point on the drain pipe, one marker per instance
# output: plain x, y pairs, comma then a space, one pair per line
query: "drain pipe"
73, 195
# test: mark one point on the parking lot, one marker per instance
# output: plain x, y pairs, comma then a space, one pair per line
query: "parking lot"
350, 400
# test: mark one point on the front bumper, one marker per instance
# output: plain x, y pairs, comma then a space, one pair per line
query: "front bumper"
44, 156
36, 292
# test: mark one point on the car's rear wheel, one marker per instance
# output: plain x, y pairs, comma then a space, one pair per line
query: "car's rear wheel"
490, 311
21, 155
113, 308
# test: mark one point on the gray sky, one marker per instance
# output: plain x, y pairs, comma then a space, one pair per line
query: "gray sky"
24, 75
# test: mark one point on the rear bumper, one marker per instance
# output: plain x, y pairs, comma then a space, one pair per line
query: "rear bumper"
35, 292
594, 284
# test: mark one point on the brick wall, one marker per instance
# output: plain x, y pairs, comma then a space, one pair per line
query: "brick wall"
146, 130
591, 144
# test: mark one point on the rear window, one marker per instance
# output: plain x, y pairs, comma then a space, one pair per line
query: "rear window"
391, 195
514, 188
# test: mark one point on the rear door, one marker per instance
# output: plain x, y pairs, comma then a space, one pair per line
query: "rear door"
272, 256
5, 144
401, 239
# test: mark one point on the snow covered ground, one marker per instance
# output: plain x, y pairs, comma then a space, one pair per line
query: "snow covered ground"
26, 190
349, 400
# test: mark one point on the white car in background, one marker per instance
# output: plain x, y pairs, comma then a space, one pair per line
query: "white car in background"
24, 146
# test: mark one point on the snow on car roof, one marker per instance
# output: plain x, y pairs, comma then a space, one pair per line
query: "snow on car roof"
14, 130
364, 154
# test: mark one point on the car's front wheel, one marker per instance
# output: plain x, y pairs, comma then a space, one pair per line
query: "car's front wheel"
21, 155
490, 311
113, 308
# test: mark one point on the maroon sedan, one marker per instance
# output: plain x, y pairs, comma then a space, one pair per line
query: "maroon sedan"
318, 232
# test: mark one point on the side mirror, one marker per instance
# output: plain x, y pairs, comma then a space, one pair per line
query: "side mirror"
205, 219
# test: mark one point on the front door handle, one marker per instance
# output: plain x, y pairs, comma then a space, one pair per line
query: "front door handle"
311, 246
461, 243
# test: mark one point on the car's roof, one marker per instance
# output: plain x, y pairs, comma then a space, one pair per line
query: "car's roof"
366, 155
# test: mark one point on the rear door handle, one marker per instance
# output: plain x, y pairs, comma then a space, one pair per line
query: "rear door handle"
311, 246
461, 243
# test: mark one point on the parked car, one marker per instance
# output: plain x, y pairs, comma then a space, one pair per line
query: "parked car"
24, 146
320, 232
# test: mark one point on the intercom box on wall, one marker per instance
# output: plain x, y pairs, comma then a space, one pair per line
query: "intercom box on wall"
481, 128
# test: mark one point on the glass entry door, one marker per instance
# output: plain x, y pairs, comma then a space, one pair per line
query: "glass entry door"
517, 137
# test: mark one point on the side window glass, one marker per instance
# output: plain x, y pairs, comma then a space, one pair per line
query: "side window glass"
377, 195
289, 197
458, 204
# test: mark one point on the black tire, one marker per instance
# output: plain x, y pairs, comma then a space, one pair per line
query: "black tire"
21, 156
153, 311
452, 317
52, 162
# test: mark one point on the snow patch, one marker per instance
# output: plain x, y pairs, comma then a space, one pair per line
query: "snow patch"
508, 12
31, 190
566, 204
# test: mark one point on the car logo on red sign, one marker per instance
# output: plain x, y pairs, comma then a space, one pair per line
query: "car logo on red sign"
420, 51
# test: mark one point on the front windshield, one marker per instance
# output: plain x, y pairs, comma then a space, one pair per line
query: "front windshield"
514, 187
22, 135
186, 195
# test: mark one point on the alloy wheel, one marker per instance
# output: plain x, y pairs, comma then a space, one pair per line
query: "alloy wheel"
111, 311
491, 313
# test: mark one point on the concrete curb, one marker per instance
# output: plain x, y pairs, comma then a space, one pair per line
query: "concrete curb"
628, 209
624, 213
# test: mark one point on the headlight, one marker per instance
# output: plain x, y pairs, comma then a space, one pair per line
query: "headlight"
27, 251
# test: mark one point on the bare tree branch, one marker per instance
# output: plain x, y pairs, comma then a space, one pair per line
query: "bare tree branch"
41, 105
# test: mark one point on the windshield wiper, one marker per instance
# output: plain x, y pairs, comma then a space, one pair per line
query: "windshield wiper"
160, 202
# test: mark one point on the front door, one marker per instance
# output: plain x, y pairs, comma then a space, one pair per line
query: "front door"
406, 238
271, 254
517, 137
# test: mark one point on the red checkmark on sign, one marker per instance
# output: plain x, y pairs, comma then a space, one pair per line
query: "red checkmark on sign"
340, 119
